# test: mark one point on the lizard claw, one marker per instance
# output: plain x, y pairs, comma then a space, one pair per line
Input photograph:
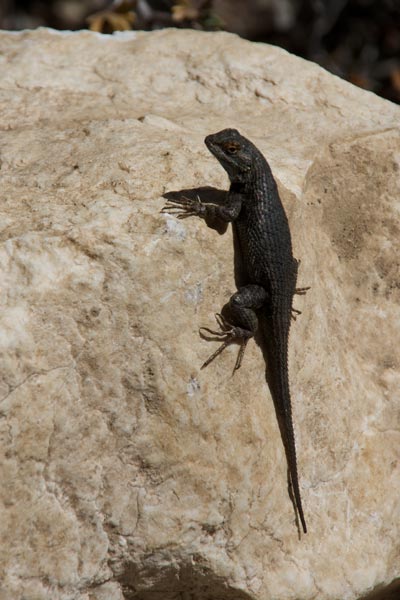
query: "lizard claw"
229, 334
184, 207
301, 291
226, 329
294, 313
229, 340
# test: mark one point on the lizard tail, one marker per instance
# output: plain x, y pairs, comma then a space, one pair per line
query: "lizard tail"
278, 380
293, 475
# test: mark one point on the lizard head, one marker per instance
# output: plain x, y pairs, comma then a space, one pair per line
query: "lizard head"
234, 152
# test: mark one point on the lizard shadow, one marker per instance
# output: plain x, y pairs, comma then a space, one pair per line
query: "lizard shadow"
207, 194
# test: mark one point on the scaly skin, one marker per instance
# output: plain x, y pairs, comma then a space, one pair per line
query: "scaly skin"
268, 271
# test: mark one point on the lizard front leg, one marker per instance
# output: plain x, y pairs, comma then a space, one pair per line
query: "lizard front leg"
242, 323
184, 207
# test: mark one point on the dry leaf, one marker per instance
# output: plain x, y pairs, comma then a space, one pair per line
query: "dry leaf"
184, 10
395, 79
121, 17
107, 22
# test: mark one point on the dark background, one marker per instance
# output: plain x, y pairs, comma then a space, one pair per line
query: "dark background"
358, 40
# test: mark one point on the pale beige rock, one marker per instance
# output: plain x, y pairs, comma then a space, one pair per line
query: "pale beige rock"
126, 472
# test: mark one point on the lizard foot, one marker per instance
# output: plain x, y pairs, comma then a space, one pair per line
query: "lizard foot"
301, 291
295, 312
183, 208
229, 334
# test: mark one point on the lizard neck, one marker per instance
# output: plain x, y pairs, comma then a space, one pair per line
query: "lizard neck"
256, 180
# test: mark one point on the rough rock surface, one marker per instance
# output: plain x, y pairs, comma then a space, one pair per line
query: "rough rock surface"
126, 472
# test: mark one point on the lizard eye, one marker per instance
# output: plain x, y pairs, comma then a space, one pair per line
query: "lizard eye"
231, 148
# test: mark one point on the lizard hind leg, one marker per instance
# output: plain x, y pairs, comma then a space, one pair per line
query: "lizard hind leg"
241, 325
229, 333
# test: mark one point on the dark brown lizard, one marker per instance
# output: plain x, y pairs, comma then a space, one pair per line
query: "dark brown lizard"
268, 271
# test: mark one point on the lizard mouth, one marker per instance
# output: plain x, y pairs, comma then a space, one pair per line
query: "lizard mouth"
209, 142
213, 146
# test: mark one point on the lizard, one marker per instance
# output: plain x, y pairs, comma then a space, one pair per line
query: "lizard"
268, 273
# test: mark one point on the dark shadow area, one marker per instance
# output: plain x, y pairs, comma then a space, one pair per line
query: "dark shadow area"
207, 195
178, 581
384, 592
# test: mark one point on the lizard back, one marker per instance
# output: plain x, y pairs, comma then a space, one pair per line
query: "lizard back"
263, 236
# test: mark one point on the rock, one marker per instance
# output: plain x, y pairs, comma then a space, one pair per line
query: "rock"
126, 472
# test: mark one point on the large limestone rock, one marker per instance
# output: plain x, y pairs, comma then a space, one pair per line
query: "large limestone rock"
125, 471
